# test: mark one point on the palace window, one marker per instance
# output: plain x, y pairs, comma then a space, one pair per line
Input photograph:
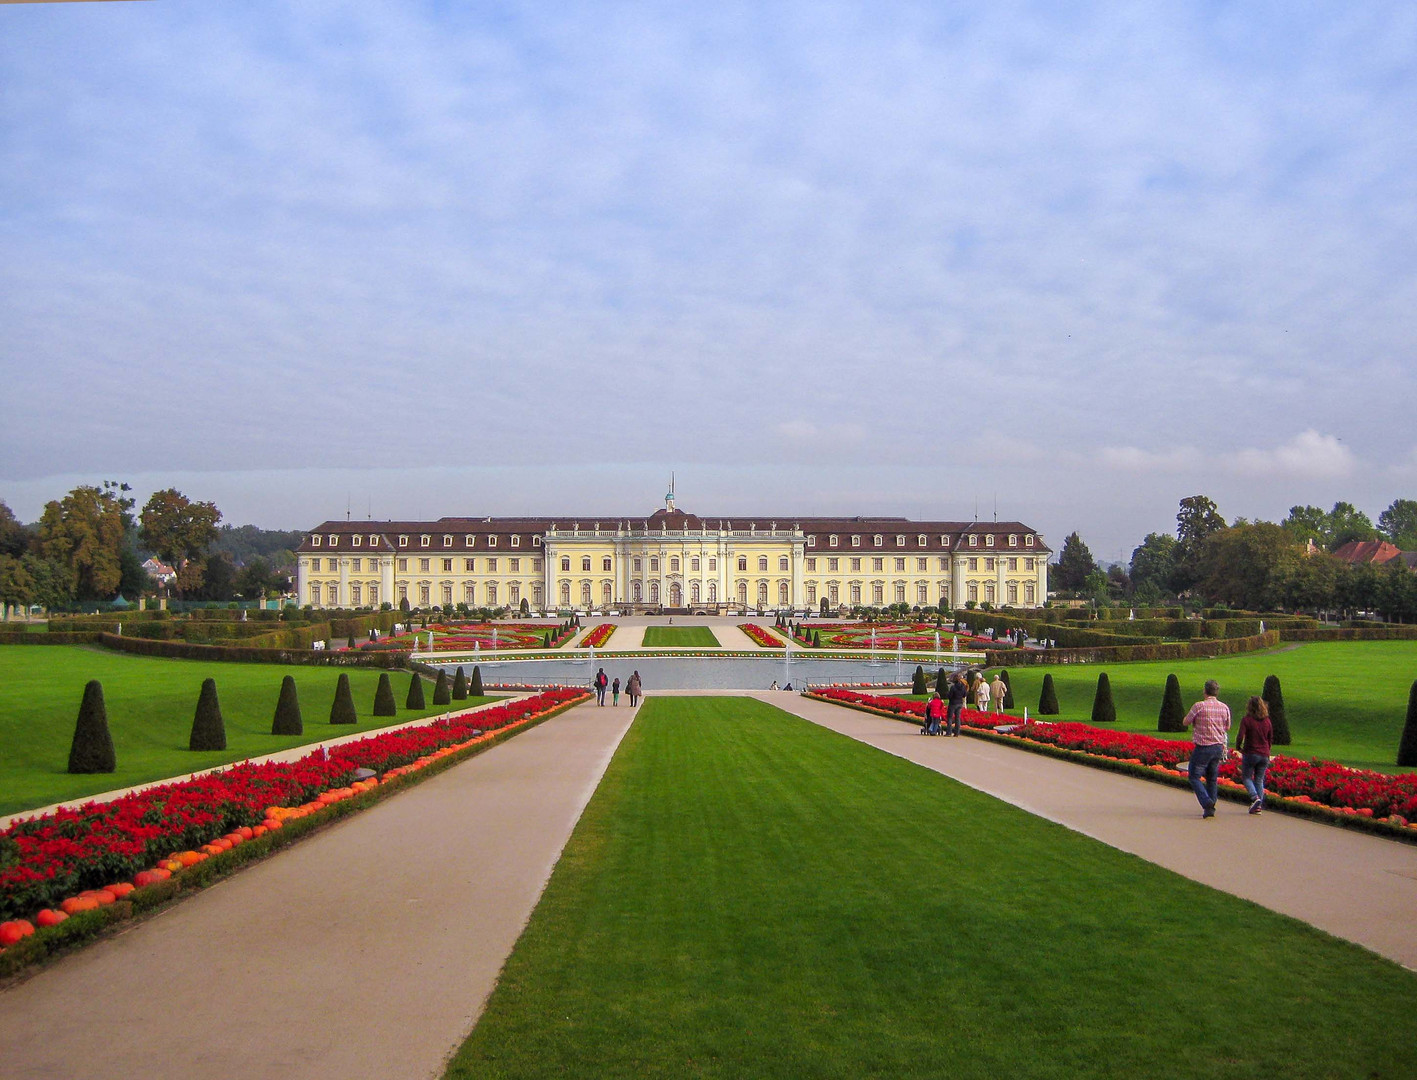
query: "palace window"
426, 541
878, 593
447, 594
491, 594
782, 562
1028, 596
1028, 540
514, 593
811, 541
356, 540
900, 564
742, 562
922, 594
834, 592
639, 565
944, 541
856, 564
674, 564
403, 593
654, 589
423, 596
856, 541
566, 593
833, 565
516, 541
334, 540
565, 564
606, 593
469, 540
315, 564
447, 566
315, 594
1013, 592
314, 541
536, 542
536, 565
900, 592
694, 564
762, 562
974, 591
900, 541
403, 564
922, 540
491, 541
654, 566
944, 563
989, 592
356, 564
403, 542
469, 593
514, 566
1028, 564
373, 593
469, 565
988, 564
1013, 540
713, 565
856, 592
605, 565
447, 541
693, 592
762, 594
811, 592
922, 564
585, 564
974, 564
973, 540
713, 592
423, 565
1013, 564
831, 541
989, 540
811, 565
635, 595
491, 566
373, 541
782, 593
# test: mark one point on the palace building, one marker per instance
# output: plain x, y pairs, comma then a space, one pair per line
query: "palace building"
672, 561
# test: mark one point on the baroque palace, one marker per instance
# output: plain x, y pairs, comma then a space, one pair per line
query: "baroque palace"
672, 561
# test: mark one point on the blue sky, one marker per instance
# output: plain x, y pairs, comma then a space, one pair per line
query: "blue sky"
435, 259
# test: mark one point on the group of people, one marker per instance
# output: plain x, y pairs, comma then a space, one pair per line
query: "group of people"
602, 683
1209, 720
944, 709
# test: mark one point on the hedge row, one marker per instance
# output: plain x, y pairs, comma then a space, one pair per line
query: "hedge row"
8, 638
187, 651
1182, 650
1351, 633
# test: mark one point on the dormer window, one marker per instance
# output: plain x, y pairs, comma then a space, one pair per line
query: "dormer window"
469, 540
426, 541
357, 540
447, 541
403, 541
536, 541
1013, 540
944, 541
516, 541
491, 541
314, 541
1028, 540
333, 539
900, 541
811, 541
973, 540
856, 541
989, 540
373, 541
878, 539
831, 541
922, 540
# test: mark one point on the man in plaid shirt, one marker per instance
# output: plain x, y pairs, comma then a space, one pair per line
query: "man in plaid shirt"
1210, 717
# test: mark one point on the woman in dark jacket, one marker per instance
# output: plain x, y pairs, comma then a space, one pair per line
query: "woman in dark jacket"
959, 693
1256, 734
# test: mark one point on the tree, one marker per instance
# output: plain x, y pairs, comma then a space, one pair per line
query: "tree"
459, 685
179, 532
133, 580
942, 683
474, 687
287, 719
917, 682
1307, 523
1048, 697
1153, 562
1104, 711
1407, 748
442, 691
1075, 562
1197, 519
208, 727
1398, 523
1248, 566
1278, 719
342, 709
85, 531
255, 579
1173, 709
1346, 523
214, 579
14, 537
384, 704
415, 699
92, 748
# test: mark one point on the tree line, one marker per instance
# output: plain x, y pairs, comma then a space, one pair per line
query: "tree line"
90, 545
1258, 565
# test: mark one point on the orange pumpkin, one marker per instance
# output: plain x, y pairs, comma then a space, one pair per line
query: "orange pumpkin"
272, 824
75, 904
12, 932
50, 917
246, 832
190, 858
120, 890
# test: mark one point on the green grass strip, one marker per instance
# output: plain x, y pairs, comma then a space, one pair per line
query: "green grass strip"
680, 637
750, 895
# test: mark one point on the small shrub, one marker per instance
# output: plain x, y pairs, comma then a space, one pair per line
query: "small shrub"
459, 686
942, 683
1278, 719
917, 683
1407, 748
208, 728
1173, 709
1048, 697
415, 694
475, 686
1008, 689
287, 719
442, 692
342, 709
1103, 709
92, 748
384, 703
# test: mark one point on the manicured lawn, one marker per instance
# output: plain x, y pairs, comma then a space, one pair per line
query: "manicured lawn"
150, 705
1346, 700
681, 637
750, 895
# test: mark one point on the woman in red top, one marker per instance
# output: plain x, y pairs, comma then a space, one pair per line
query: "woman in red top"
1254, 744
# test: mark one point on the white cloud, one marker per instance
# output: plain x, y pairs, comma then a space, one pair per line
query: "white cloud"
1133, 459
1309, 455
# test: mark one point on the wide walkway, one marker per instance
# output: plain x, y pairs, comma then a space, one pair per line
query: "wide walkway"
1358, 887
366, 950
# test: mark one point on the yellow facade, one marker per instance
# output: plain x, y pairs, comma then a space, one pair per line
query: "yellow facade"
672, 561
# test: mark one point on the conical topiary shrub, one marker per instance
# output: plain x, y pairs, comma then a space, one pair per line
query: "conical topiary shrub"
287, 719
917, 682
1407, 748
1103, 710
342, 709
459, 686
384, 703
1278, 718
415, 694
816, 639
1173, 709
1008, 689
1048, 697
474, 687
92, 748
942, 683
442, 692
208, 728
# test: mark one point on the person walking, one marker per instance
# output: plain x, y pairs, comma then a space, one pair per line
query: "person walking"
959, 694
1256, 736
601, 682
632, 688
615, 691
982, 693
997, 690
1210, 720
934, 713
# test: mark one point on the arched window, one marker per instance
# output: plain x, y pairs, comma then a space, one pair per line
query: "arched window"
878, 540
762, 594
607, 593
635, 594
743, 593
782, 594
469, 594
585, 594
693, 592
565, 594
654, 592
831, 541
713, 592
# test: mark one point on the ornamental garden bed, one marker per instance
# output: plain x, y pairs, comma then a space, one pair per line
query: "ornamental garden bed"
464, 637
1322, 790
913, 637
762, 636
597, 638
68, 875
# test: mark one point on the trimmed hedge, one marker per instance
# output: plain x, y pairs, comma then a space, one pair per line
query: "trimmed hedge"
208, 727
384, 703
1104, 711
1173, 709
92, 748
415, 699
184, 650
25, 638
1273, 697
287, 719
1183, 650
342, 708
1335, 633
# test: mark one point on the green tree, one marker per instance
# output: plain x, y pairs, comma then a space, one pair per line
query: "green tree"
1197, 519
942, 683
1173, 709
1075, 562
287, 720
1398, 523
1347, 523
1104, 711
208, 727
14, 537
1248, 566
86, 531
384, 704
255, 579
342, 709
1153, 562
442, 690
1273, 697
459, 685
918, 684
474, 687
1307, 523
179, 532
214, 579
92, 748
1048, 697
1407, 747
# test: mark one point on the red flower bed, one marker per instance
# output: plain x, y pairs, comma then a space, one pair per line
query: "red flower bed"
44, 859
914, 636
1324, 783
762, 636
599, 636
463, 637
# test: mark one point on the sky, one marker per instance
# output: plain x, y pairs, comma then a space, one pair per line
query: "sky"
1074, 262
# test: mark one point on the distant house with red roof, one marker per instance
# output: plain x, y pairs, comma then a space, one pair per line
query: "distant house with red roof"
1372, 551
159, 571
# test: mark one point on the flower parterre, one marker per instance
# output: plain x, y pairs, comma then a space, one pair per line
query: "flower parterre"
43, 860
599, 636
460, 637
914, 636
762, 636
1361, 792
